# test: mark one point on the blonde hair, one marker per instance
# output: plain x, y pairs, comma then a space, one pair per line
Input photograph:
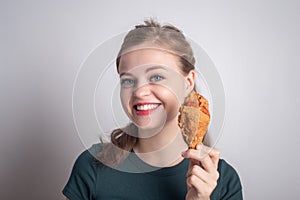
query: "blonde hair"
168, 38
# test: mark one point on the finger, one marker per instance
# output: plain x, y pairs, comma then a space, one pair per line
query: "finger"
199, 153
208, 164
212, 157
194, 181
215, 156
202, 152
205, 172
200, 173
193, 162
202, 188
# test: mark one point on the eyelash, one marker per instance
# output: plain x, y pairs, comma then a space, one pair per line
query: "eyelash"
156, 76
125, 82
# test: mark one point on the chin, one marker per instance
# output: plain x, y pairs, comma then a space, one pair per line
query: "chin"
149, 128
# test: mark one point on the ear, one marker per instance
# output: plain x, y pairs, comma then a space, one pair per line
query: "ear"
190, 81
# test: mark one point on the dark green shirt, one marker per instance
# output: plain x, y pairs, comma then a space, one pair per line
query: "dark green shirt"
137, 180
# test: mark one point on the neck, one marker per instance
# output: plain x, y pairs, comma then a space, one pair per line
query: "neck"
164, 148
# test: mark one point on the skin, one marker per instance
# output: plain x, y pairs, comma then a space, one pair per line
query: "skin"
160, 142
201, 180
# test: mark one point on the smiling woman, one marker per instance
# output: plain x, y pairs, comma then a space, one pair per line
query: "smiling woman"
149, 159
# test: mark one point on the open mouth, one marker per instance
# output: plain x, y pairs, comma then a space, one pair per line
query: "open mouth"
145, 108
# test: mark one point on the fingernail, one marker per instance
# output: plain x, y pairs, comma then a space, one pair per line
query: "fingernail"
198, 146
183, 154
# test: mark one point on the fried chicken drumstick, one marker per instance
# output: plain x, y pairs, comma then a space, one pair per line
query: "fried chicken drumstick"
194, 118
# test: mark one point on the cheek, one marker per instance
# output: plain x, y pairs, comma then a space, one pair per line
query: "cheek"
171, 99
176, 91
125, 96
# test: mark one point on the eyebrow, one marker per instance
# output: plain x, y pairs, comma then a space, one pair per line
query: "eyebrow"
125, 73
147, 70
155, 67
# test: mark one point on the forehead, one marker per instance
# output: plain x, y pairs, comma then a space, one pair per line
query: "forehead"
148, 57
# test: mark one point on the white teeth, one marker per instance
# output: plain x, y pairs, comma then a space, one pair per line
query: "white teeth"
147, 107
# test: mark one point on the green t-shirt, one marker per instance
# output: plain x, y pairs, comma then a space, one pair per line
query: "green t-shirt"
91, 180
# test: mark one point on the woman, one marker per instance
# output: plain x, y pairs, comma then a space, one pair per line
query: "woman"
149, 159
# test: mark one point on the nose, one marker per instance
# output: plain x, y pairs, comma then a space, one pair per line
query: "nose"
142, 90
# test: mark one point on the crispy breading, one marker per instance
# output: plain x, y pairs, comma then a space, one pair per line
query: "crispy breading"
194, 118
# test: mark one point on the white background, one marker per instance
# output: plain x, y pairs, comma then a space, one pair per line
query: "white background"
254, 45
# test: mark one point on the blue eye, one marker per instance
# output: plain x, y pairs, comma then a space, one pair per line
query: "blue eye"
156, 78
127, 82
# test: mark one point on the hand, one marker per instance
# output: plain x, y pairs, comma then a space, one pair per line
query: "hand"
201, 179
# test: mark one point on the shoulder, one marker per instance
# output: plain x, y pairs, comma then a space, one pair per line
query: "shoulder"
229, 182
86, 163
227, 171
82, 181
